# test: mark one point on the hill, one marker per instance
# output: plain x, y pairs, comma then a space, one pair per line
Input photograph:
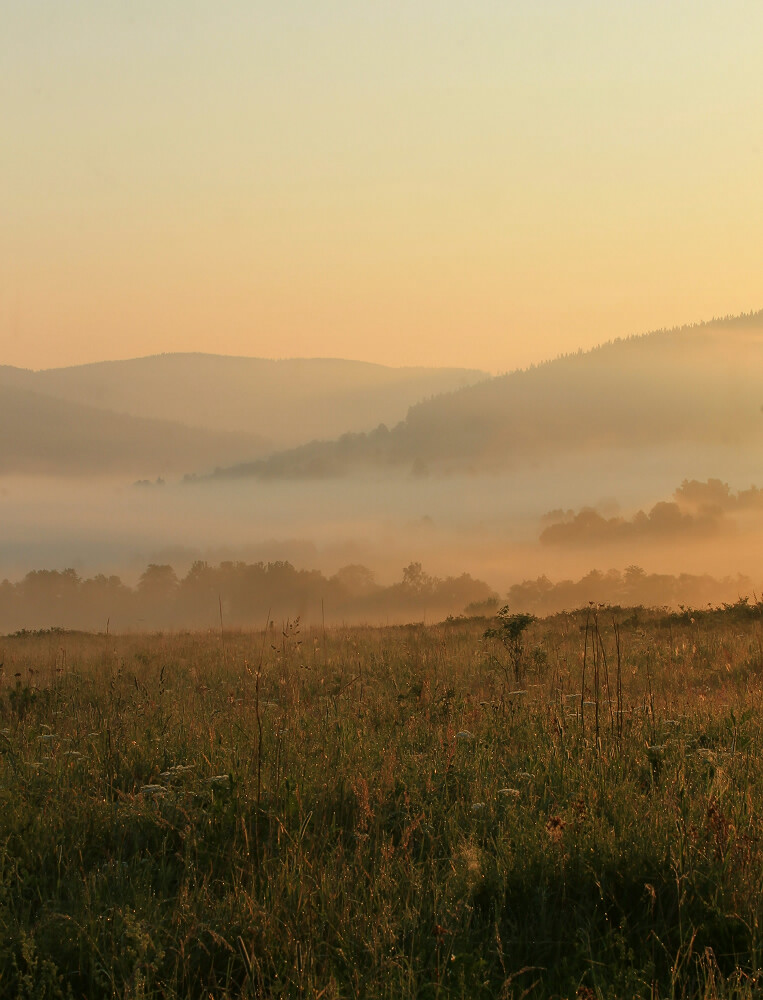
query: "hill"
44, 435
286, 402
698, 385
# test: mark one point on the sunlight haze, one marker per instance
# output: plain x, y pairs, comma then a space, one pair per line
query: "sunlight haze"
381, 499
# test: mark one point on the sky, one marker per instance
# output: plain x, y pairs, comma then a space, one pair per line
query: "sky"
481, 184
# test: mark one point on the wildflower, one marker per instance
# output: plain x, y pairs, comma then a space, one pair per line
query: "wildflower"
555, 829
219, 780
176, 772
580, 809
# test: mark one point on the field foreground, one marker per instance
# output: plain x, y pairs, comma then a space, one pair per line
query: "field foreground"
562, 808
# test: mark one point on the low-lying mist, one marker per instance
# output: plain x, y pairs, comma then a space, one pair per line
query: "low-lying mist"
641, 452
556, 522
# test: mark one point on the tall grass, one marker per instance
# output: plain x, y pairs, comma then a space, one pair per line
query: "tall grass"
377, 813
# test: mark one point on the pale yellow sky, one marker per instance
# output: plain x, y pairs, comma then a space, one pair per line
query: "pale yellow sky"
472, 183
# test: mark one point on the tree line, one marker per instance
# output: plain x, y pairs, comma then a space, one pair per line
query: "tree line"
233, 595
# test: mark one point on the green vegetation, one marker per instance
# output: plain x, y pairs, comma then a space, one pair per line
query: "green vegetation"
632, 586
384, 812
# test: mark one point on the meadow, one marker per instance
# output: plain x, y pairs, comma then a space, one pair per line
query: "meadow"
566, 807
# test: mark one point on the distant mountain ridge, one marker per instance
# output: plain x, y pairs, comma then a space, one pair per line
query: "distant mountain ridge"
285, 402
173, 413
701, 384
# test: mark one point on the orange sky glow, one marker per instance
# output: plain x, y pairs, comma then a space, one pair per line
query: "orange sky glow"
474, 184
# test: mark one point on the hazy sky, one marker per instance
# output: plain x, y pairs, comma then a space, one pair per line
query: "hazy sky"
476, 183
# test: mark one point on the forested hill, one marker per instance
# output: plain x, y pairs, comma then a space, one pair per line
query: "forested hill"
698, 385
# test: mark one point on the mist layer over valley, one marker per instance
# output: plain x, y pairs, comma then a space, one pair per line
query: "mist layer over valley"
641, 453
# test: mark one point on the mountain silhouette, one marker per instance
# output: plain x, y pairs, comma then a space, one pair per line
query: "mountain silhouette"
696, 385
284, 403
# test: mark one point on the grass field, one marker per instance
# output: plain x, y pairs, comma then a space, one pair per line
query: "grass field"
401, 812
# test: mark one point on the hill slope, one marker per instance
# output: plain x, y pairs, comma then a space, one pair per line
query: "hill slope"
43, 435
287, 402
694, 385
